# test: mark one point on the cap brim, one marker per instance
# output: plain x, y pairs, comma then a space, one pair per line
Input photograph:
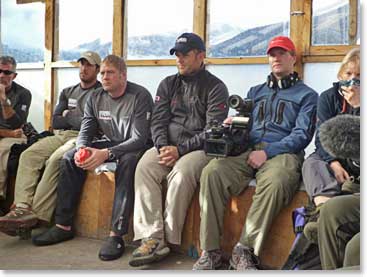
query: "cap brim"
91, 61
180, 48
278, 46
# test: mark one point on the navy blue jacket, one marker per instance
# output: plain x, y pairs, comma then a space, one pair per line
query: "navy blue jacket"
330, 105
283, 118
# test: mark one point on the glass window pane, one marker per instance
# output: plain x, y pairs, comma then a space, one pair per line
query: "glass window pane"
245, 29
22, 31
153, 26
330, 22
84, 25
34, 80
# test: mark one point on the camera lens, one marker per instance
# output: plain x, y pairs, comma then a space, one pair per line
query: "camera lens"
234, 101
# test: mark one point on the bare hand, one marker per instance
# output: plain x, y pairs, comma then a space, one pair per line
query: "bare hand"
17, 133
168, 155
340, 173
65, 112
2, 92
257, 158
96, 158
228, 120
352, 95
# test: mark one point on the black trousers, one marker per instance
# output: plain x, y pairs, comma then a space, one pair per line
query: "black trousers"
71, 182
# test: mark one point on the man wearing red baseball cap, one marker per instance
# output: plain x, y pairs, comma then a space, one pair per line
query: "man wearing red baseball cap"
282, 42
283, 124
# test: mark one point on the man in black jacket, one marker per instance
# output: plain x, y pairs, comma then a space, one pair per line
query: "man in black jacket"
14, 107
185, 104
35, 188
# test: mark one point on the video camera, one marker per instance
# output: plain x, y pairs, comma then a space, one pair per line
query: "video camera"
222, 140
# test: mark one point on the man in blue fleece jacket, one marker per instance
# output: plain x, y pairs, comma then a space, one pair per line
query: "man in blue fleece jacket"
282, 125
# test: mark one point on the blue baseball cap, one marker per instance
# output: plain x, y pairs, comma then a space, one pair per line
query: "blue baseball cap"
187, 42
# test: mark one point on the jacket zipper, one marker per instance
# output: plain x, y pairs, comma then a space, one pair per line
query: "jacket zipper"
271, 110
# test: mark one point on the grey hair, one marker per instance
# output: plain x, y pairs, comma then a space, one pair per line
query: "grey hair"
8, 60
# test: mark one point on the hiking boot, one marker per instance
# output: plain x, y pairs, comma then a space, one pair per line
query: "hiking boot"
243, 258
150, 250
209, 260
310, 231
17, 218
41, 227
52, 236
112, 249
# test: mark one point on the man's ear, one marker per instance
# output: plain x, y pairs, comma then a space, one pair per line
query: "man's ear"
202, 55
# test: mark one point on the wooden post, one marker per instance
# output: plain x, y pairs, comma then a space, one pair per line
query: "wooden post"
353, 20
200, 7
119, 28
296, 28
49, 101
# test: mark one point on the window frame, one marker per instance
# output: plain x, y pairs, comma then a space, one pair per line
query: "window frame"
300, 22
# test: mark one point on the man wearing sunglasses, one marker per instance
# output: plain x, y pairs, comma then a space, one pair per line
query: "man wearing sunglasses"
14, 106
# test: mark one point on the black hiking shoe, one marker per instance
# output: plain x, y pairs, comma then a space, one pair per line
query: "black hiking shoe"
112, 248
52, 236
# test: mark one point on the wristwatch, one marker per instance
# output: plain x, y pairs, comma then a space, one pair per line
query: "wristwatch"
111, 156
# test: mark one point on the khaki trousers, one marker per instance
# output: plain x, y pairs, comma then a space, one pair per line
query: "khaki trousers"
276, 182
150, 219
5, 145
34, 190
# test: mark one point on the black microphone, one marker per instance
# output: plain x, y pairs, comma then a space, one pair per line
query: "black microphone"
340, 136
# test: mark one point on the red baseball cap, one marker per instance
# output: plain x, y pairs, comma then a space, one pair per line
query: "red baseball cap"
282, 42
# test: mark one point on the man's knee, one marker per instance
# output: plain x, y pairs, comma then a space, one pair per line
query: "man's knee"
209, 175
146, 162
69, 155
212, 168
329, 209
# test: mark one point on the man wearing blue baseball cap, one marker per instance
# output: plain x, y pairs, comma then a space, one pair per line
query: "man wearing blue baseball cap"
185, 104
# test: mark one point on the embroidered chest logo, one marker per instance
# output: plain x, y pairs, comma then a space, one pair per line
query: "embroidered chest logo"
72, 103
104, 115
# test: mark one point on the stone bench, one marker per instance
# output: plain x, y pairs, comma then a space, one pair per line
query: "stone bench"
94, 217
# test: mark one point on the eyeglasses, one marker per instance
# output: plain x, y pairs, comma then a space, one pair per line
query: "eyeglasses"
6, 72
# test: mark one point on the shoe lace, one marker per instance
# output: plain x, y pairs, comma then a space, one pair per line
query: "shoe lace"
211, 257
148, 245
18, 212
244, 259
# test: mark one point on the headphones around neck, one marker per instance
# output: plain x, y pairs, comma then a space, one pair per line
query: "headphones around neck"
284, 83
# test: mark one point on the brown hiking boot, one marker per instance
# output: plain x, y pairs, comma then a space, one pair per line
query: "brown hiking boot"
17, 218
150, 250
243, 258
209, 260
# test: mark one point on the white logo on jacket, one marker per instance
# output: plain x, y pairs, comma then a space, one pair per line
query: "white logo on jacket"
72, 103
104, 115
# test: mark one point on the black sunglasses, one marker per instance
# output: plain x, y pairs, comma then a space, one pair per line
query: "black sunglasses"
6, 72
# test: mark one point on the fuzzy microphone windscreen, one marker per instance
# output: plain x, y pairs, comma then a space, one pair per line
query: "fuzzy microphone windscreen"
340, 136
